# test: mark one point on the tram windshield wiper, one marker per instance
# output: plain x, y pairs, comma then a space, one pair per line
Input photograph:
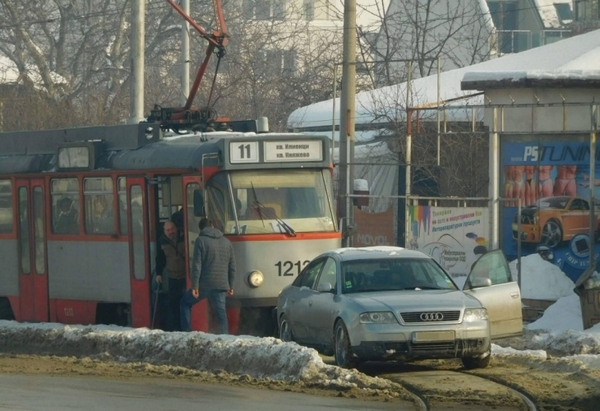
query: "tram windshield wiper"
270, 214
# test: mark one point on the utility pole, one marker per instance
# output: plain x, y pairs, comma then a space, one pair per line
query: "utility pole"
138, 12
347, 118
185, 53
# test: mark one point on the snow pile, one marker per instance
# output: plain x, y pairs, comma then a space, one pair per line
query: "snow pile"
541, 279
241, 355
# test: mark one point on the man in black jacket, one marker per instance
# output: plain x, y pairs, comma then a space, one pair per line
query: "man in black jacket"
170, 257
212, 276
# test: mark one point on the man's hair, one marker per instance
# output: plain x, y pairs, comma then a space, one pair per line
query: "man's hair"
65, 202
205, 222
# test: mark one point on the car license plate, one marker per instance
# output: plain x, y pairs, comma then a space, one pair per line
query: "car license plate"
430, 336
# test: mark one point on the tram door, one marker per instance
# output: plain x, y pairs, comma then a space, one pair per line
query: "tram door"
33, 262
191, 184
137, 213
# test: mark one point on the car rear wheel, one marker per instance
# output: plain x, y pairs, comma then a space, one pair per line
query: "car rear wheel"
551, 234
471, 363
343, 351
285, 331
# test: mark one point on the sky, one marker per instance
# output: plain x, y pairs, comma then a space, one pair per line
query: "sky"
559, 330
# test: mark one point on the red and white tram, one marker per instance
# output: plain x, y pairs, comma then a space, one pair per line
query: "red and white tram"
81, 210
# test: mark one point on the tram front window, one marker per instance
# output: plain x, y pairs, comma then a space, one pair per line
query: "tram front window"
267, 201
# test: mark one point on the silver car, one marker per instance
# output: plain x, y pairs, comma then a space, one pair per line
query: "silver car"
390, 303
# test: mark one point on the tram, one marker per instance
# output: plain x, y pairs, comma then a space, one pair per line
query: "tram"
81, 210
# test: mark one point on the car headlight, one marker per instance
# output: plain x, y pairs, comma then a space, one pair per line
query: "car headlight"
377, 317
255, 278
475, 314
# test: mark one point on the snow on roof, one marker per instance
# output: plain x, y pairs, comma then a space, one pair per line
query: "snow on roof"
10, 74
8, 71
575, 58
549, 13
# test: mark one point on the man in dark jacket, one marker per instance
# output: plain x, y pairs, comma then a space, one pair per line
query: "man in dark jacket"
170, 257
213, 272
67, 221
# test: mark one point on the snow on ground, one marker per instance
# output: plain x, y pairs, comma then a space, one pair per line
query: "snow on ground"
558, 333
240, 355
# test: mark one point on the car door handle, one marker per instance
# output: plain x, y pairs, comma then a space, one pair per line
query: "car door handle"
514, 295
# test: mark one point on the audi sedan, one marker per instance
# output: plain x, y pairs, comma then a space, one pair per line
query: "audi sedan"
390, 303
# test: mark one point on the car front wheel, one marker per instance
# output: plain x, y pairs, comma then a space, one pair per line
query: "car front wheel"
285, 331
343, 351
551, 234
471, 363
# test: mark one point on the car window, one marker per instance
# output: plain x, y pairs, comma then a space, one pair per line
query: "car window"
493, 266
328, 275
579, 204
308, 276
393, 274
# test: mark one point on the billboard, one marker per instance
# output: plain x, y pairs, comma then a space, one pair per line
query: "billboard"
455, 237
551, 176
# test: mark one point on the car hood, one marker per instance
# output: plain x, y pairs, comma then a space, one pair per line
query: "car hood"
411, 300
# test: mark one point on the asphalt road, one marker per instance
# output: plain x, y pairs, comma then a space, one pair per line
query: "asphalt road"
58, 393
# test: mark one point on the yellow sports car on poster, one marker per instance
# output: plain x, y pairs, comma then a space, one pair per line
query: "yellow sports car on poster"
553, 220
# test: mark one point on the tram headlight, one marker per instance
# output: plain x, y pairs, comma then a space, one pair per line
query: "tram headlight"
255, 278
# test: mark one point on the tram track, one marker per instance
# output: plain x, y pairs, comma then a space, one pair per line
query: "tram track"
435, 388
528, 400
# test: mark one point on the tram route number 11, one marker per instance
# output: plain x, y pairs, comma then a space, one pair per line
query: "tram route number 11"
290, 268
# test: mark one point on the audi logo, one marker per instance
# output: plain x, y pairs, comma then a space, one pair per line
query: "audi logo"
431, 316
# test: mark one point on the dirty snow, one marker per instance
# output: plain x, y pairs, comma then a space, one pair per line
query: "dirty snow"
558, 333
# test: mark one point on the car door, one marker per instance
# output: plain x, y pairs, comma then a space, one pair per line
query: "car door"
298, 311
491, 283
577, 219
322, 305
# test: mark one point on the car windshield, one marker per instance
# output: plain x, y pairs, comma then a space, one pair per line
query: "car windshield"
272, 201
394, 274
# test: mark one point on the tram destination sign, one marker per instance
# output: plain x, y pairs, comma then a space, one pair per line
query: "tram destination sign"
284, 151
276, 151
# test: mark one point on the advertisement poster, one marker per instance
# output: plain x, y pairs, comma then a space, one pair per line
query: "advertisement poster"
551, 176
454, 237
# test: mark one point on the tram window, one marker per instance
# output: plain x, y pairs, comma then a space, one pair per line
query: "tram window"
137, 233
38, 229
65, 205
220, 209
98, 199
6, 206
193, 220
24, 231
122, 188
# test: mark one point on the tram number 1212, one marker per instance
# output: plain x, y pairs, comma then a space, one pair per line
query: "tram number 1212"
290, 268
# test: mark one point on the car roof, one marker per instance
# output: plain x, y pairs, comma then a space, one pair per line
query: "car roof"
369, 253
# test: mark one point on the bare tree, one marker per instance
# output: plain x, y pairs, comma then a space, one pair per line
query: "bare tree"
77, 51
458, 33
72, 57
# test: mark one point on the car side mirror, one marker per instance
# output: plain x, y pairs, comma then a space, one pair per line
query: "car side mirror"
479, 282
325, 288
198, 203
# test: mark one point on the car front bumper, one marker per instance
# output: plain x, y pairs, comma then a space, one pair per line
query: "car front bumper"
530, 233
401, 342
